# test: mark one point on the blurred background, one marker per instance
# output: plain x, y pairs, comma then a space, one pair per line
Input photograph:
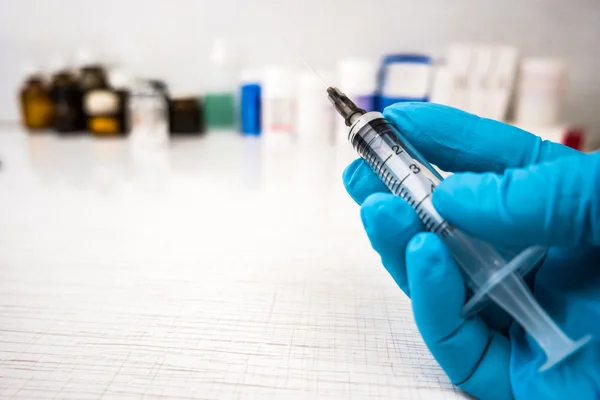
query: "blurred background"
175, 43
173, 221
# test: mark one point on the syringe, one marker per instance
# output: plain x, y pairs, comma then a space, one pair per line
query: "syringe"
489, 274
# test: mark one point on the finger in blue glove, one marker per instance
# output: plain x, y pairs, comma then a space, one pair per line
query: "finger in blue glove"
551, 204
390, 223
475, 357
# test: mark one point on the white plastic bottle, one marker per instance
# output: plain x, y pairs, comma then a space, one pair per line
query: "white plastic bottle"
315, 115
478, 83
460, 60
278, 108
149, 117
540, 92
502, 82
441, 90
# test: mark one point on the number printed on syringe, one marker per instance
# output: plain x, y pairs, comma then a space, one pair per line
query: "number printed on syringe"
400, 173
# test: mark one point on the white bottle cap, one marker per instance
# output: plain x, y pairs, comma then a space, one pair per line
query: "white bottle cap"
30, 69
182, 91
120, 79
278, 81
85, 57
357, 76
251, 76
58, 64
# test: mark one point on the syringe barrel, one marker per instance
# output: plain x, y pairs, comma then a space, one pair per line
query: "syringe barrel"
400, 166
407, 174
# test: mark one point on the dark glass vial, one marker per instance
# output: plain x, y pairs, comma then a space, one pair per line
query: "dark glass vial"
67, 99
185, 115
122, 113
92, 77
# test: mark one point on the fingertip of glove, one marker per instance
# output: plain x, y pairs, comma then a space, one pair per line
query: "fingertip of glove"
462, 192
348, 174
426, 245
443, 120
426, 257
360, 181
383, 211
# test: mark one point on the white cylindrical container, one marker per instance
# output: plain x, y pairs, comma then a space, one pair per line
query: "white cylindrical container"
478, 83
441, 90
149, 117
460, 61
358, 80
278, 108
540, 91
502, 81
314, 117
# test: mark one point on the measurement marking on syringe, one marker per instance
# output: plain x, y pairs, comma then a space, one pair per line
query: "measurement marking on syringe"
426, 223
422, 200
385, 176
389, 177
439, 226
405, 178
379, 166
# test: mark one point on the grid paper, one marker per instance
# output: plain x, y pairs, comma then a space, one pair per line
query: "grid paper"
187, 282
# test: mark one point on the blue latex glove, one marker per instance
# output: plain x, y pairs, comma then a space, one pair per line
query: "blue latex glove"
513, 189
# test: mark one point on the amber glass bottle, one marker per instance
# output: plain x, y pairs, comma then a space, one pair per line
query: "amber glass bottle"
102, 110
106, 109
36, 104
93, 83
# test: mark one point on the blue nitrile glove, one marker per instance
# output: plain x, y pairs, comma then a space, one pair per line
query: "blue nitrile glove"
512, 189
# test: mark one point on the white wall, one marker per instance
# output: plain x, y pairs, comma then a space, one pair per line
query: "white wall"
171, 38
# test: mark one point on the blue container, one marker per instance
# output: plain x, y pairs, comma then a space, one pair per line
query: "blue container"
250, 109
390, 92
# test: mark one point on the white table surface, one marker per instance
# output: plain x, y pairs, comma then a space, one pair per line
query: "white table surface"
215, 269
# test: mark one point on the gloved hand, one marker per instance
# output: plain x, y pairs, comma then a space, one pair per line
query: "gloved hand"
512, 189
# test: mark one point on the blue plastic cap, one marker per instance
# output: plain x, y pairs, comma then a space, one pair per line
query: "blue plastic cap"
407, 58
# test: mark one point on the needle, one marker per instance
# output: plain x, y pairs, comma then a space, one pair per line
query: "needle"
313, 71
297, 54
